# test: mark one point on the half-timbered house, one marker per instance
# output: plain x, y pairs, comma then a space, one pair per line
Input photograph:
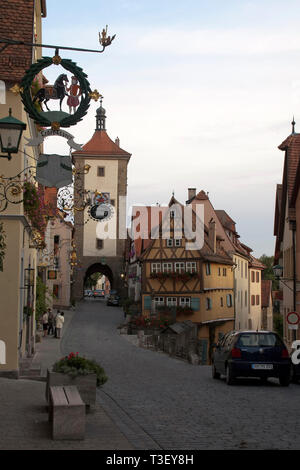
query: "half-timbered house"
190, 284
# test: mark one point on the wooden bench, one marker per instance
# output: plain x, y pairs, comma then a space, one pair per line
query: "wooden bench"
66, 413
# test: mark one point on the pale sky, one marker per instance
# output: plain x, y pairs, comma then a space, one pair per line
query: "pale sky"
200, 92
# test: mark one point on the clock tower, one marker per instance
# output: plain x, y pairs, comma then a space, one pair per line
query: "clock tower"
100, 244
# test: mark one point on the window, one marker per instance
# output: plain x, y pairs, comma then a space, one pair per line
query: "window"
99, 244
159, 301
252, 276
229, 300
56, 262
179, 267
241, 298
191, 267
155, 267
252, 299
56, 291
100, 171
257, 276
167, 267
177, 242
171, 301
185, 302
208, 303
172, 214
219, 271
207, 267
169, 242
257, 300
246, 298
224, 272
246, 270
56, 239
221, 301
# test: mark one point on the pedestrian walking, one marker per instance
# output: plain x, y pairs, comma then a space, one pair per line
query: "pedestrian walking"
50, 322
45, 323
59, 323
54, 323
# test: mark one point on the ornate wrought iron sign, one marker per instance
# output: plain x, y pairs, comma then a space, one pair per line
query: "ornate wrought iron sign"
77, 91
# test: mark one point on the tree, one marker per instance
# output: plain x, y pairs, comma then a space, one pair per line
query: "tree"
91, 281
268, 273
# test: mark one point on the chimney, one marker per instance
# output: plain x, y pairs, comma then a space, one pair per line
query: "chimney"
191, 193
117, 141
212, 236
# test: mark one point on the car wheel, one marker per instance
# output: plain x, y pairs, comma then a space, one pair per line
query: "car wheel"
215, 374
264, 380
230, 379
284, 380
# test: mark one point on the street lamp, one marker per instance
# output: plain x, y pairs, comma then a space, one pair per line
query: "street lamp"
277, 270
11, 130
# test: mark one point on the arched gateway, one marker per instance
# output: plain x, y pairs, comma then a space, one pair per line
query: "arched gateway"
107, 173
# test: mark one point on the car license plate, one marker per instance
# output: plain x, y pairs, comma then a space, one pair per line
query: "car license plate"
262, 366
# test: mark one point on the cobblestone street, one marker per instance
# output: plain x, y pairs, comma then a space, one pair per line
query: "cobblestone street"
164, 403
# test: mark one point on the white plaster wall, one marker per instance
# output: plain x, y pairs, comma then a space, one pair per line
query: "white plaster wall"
107, 183
242, 285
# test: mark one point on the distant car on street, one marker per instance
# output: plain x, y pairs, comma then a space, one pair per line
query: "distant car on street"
99, 293
113, 298
251, 354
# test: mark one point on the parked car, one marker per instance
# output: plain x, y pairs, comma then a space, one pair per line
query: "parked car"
251, 354
113, 298
98, 293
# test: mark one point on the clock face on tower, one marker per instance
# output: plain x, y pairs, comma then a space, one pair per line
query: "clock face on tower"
101, 212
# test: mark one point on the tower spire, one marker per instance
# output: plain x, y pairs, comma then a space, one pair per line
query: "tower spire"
293, 125
100, 117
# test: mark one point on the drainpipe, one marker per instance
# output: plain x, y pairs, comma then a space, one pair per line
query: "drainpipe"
294, 276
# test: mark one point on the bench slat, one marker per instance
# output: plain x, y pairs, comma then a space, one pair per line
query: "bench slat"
58, 396
73, 395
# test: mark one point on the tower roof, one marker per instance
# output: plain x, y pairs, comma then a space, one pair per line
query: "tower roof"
101, 144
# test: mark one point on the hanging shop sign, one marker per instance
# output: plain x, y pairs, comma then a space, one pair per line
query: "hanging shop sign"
54, 171
50, 132
76, 90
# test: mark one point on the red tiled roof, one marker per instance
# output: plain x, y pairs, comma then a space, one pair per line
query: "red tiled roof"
101, 144
266, 289
292, 147
16, 22
255, 263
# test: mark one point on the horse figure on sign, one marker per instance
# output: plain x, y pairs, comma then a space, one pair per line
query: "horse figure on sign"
53, 92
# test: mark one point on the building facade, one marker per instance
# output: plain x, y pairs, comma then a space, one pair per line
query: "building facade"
286, 231
22, 21
194, 285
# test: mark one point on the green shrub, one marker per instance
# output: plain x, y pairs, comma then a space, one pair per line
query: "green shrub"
75, 365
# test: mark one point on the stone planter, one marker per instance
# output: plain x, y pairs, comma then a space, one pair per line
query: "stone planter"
86, 385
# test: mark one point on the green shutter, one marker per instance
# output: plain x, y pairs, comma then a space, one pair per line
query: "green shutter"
147, 302
195, 303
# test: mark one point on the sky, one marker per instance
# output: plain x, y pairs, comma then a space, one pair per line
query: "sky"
200, 93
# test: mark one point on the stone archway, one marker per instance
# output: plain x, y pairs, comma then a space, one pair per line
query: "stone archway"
100, 268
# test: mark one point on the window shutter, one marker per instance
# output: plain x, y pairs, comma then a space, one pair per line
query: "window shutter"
147, 302
203, 350
195, 303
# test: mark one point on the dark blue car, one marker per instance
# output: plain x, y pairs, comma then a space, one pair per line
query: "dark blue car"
251, 354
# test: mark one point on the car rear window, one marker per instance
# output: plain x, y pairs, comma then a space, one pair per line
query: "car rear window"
259, 339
